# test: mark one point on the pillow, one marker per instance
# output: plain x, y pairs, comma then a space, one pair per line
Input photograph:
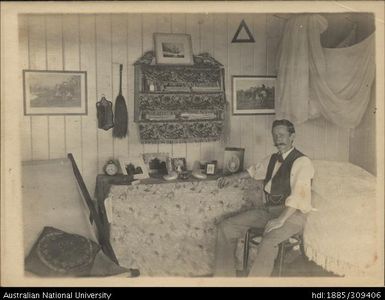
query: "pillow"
57, 253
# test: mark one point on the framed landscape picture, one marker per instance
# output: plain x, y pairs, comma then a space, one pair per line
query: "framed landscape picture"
55, 92
173, 48
253, 95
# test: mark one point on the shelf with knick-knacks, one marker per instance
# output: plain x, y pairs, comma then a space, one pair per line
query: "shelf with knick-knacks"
179, 103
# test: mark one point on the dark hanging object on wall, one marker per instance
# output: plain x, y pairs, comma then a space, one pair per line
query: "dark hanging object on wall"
121, 114
104, 114
243, 26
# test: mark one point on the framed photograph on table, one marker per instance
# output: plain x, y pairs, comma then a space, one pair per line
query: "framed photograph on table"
173, 48
157, 163
134, 166
253, 95
178, 164
233, 160
211, 168
55, 92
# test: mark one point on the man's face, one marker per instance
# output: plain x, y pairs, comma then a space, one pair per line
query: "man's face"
282, 138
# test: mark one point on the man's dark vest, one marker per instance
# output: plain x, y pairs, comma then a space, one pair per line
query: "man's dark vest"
280, 184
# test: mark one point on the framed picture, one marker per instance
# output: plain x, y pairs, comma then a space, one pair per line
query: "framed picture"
253, 95
55, 92
178, 164
157, 163
134, 166
211, 168
233, 160
173, 48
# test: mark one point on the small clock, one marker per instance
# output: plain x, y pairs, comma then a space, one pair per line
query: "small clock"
111, 168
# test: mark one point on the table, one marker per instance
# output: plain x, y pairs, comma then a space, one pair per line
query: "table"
169, 228
104, 183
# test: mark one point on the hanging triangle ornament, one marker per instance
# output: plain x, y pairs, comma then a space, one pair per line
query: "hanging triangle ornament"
243, 34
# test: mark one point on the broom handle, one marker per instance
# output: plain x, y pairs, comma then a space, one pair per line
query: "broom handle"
120, 88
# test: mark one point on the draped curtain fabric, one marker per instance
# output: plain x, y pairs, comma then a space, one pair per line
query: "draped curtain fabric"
312, 80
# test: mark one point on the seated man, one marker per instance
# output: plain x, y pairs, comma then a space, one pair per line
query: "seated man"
287, 179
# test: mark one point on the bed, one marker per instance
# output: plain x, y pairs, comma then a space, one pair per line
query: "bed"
341, 234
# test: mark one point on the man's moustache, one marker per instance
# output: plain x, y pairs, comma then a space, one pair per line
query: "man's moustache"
279, 144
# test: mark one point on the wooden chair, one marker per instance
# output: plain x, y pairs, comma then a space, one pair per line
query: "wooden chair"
284, 247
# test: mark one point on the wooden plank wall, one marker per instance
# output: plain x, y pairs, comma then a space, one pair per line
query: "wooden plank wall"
99, 43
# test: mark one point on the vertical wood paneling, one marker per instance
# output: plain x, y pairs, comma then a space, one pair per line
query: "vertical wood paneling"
164, 24
55, 62
119, 56
134, 52
149, 27
248, 67
261, 122
193, 150
71, 48
25, 127
228, 86
37, 56
97, 44
253, 63
235, 55
207, 45
270, 53
104, 82
89, 122
178, 25
220, 53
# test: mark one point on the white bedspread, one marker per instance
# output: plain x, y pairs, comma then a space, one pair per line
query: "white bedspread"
341, 235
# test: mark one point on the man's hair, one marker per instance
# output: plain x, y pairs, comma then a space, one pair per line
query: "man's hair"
284, 122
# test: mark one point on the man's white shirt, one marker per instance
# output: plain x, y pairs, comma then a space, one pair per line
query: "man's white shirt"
301, 175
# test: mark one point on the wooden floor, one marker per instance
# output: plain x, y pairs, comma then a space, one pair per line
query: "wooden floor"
299, 266
304, 268
296, 265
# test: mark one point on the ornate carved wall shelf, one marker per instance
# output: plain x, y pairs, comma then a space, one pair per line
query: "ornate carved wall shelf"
177, 103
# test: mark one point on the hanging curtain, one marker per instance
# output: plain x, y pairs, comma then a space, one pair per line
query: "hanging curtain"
312, 80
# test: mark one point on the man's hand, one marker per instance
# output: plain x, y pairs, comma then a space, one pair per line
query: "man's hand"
273, 224
224, 181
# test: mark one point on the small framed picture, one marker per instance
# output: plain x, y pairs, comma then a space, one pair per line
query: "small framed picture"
178, 164
233, 160
55, 92
253, 95
211, 168
157, 163
173, 48
134, 166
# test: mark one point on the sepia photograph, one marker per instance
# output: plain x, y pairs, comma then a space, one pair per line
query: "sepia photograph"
173, 48
54, 92
293, 145
253, 95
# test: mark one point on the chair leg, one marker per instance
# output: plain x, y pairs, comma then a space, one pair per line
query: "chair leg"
246, 252
281, 255
302, 246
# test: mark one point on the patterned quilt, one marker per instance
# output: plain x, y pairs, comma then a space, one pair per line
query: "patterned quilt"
169, 229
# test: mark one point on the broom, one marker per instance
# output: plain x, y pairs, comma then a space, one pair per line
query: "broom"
121, 115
